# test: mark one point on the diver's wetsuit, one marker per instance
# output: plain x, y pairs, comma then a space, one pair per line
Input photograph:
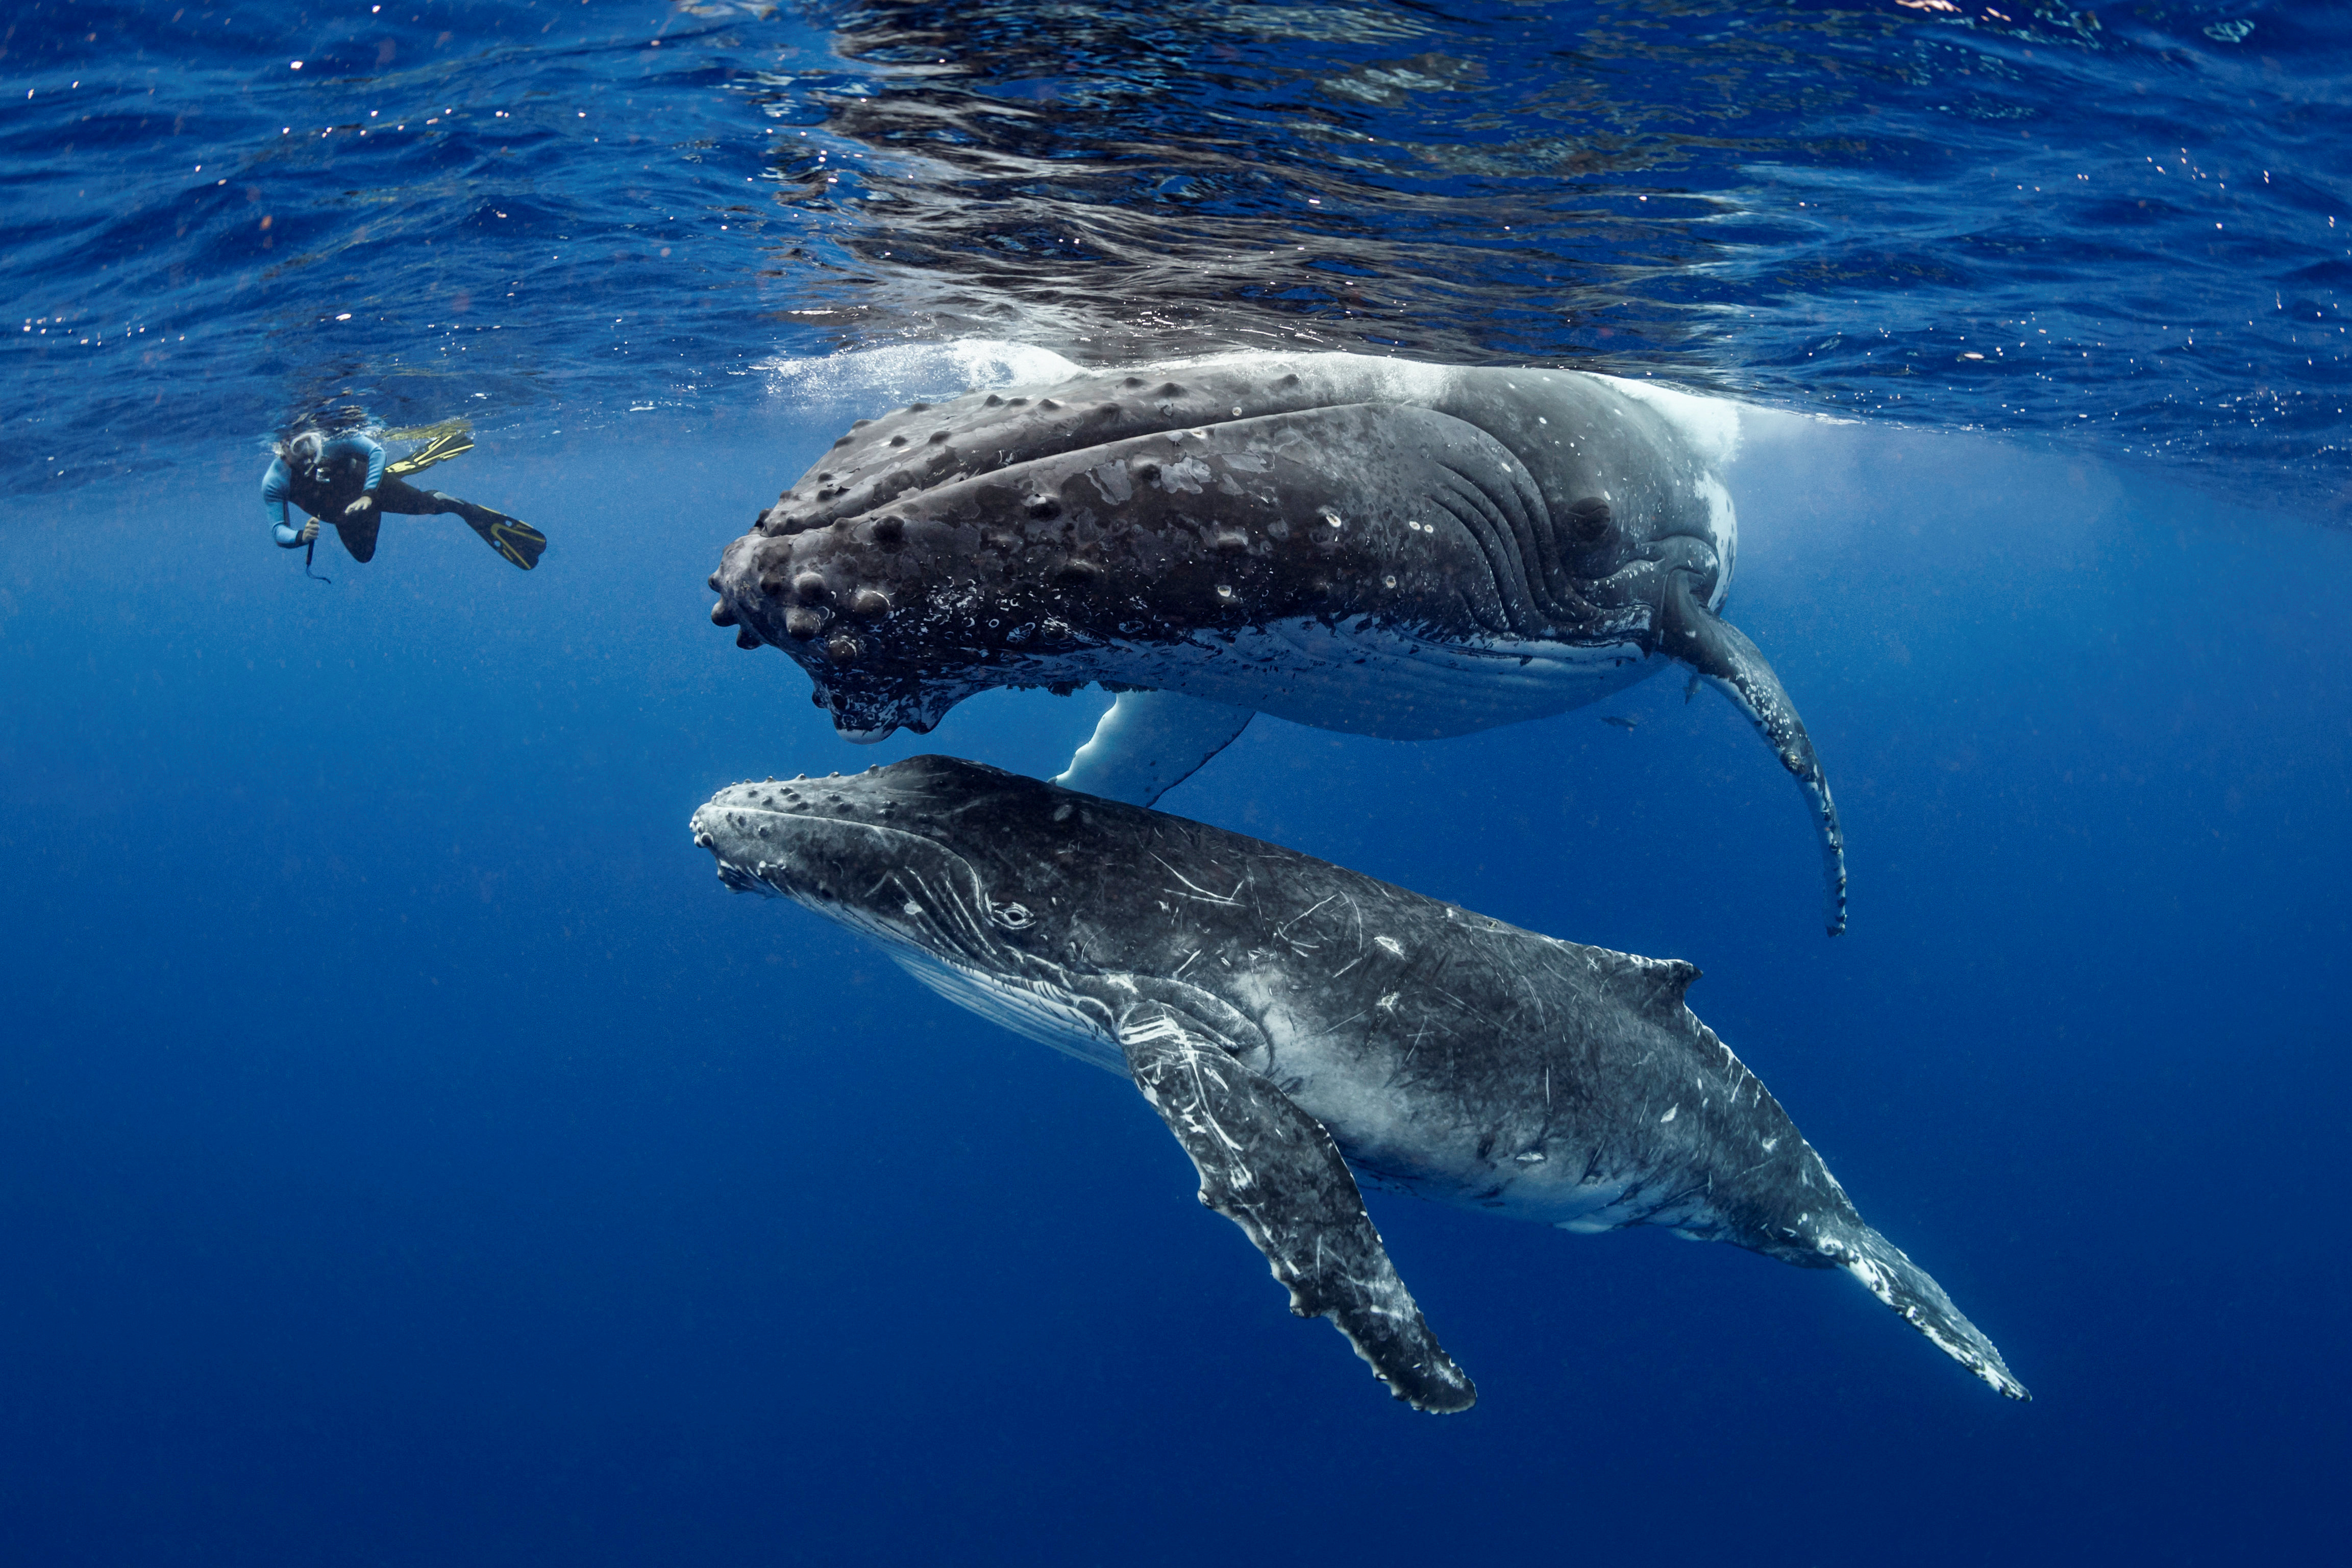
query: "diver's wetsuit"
350, 467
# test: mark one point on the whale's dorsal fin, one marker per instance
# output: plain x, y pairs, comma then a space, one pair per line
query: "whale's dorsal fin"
1721, 652
1272, 1169
1662, 985
1150, 742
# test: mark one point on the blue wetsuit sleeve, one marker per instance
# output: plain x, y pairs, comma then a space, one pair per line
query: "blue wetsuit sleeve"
274, 486
375, 462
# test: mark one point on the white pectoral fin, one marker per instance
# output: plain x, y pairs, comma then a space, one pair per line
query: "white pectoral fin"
1272, 1169
1149, 743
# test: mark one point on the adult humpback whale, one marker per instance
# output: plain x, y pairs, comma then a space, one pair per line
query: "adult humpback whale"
1367, 545
1290, 1020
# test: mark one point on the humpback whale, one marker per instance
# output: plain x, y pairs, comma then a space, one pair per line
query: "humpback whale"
1298, 1026
1367, 545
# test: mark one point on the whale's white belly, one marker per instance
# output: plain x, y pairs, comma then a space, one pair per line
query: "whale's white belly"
1382, 683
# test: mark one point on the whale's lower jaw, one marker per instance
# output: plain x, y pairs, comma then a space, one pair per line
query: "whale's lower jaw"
1379, 681
1038, 1011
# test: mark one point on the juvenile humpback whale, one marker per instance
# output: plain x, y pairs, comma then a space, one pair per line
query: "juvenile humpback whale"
1360, 544
1296, 1024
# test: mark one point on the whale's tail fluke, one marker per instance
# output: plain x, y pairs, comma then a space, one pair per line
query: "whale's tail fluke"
1894, 1279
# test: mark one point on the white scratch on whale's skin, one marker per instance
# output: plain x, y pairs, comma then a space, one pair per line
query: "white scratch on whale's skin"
1670, 1116
1392, 944
1229, 900
1282, 932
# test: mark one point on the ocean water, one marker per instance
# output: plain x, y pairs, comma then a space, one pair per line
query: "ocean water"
410, 1154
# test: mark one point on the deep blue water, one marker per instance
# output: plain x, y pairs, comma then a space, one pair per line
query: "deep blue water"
409, 1153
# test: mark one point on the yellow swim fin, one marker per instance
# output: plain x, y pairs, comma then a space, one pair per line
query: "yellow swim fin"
449, 439
518, 542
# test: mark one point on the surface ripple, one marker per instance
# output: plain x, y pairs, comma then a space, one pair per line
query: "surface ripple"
2123, 230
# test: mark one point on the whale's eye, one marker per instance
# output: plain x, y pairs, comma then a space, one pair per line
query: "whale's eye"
1012, 916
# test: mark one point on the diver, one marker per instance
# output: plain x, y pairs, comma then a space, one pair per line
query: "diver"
344, 479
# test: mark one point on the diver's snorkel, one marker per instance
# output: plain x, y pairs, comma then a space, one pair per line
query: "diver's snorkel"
302, 454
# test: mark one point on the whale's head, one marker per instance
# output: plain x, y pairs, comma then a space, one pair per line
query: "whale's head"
953, 860
1053, 536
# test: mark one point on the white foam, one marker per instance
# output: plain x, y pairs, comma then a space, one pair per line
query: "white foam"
1711, 424
906, 372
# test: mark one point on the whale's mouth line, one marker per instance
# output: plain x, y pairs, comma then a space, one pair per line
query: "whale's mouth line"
778, 876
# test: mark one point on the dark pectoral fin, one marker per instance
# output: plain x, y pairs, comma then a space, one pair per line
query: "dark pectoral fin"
1720, 651
1272, 1169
